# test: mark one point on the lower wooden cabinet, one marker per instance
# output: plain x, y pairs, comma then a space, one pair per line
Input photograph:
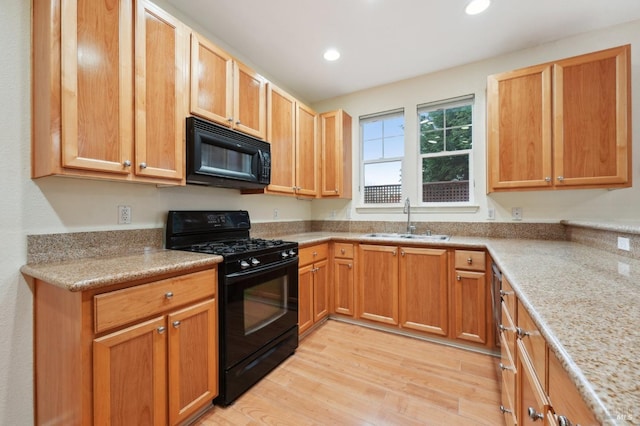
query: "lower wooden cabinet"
313, 286
343, 294
378, 283
470, 297
144, 355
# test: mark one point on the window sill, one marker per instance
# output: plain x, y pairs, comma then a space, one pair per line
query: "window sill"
441, 208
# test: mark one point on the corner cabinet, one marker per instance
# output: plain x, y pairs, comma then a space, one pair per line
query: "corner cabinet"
560, 125
226, 91
109, 85
143, 354
335, 129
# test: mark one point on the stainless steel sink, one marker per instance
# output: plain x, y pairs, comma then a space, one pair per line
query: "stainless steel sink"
421, 237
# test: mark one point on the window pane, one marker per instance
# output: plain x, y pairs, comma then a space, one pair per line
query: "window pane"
394, 127
459, 116
431, 120
372, 149
382, 182
394, 146
459, 138
445, 179
372, 130
431, 141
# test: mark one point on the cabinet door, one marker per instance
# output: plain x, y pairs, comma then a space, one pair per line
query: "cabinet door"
335, 129
592, 119
249, 101
161, 45
533, 403
469, 306
306, 151
519, 120
305, 298
343, 291
211, 81
129, 376
281, 134
378, 283
423, 290
193, 360
320, 290
97, 85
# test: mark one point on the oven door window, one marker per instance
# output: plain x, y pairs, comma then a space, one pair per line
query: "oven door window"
264, 304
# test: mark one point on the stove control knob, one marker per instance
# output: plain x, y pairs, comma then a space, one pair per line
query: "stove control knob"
244, 264
285, 254
292, 252
254, 261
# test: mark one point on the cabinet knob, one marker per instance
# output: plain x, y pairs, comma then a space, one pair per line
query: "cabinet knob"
126, 163
350, 266
230, 119
143, 165
505, 410
458, 277
336, 190
161, 330
505, 367
547, 179
168, 295
522, 333
176, 324
534, 415
560, 178
343, 251
402, 253
564, 421
469, 260
395, 252
315, 253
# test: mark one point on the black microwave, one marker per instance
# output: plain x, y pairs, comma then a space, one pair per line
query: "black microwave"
219, 156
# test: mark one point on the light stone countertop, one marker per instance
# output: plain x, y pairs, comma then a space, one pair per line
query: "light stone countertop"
95, 272
585, 301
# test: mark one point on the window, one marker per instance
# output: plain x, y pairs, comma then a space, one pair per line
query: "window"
382, 153
445, 150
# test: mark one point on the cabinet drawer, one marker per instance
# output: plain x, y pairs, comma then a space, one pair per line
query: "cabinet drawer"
311, 254
508, 330
124, 306
470, 260
532, 395
343, 250
534, 343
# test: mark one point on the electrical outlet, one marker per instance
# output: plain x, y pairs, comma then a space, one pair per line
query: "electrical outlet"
491, 213
332, 215
276, 213
516, 213
124, 215
623, 244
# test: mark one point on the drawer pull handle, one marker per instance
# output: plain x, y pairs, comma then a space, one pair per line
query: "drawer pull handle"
505, 329
506, 367
522, 333
469, 260
176, 324
505, 293
534, 415
505, 410
161, 330
168, 295
564, 421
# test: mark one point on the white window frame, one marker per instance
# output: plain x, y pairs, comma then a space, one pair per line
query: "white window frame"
368, 119
446, 104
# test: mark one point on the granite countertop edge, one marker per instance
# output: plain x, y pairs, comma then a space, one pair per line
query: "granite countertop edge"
96, 272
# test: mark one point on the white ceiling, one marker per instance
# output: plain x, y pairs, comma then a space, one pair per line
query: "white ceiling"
383, 41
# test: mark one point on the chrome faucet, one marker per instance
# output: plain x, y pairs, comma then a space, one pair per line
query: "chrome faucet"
407, 210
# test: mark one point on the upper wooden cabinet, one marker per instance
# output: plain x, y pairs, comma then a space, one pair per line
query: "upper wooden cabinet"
226, 91
108, 91
565, 124
335, 127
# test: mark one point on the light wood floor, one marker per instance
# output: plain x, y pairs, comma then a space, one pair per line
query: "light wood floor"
344, 374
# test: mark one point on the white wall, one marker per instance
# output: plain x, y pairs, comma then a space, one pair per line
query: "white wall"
551, 206
67, 205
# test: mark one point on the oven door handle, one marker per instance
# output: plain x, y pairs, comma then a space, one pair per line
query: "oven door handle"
230, 278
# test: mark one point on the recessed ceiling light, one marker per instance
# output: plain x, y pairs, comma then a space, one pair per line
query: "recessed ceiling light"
477, 6
331, 55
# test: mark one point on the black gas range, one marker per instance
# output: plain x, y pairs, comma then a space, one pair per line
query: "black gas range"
257, 293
